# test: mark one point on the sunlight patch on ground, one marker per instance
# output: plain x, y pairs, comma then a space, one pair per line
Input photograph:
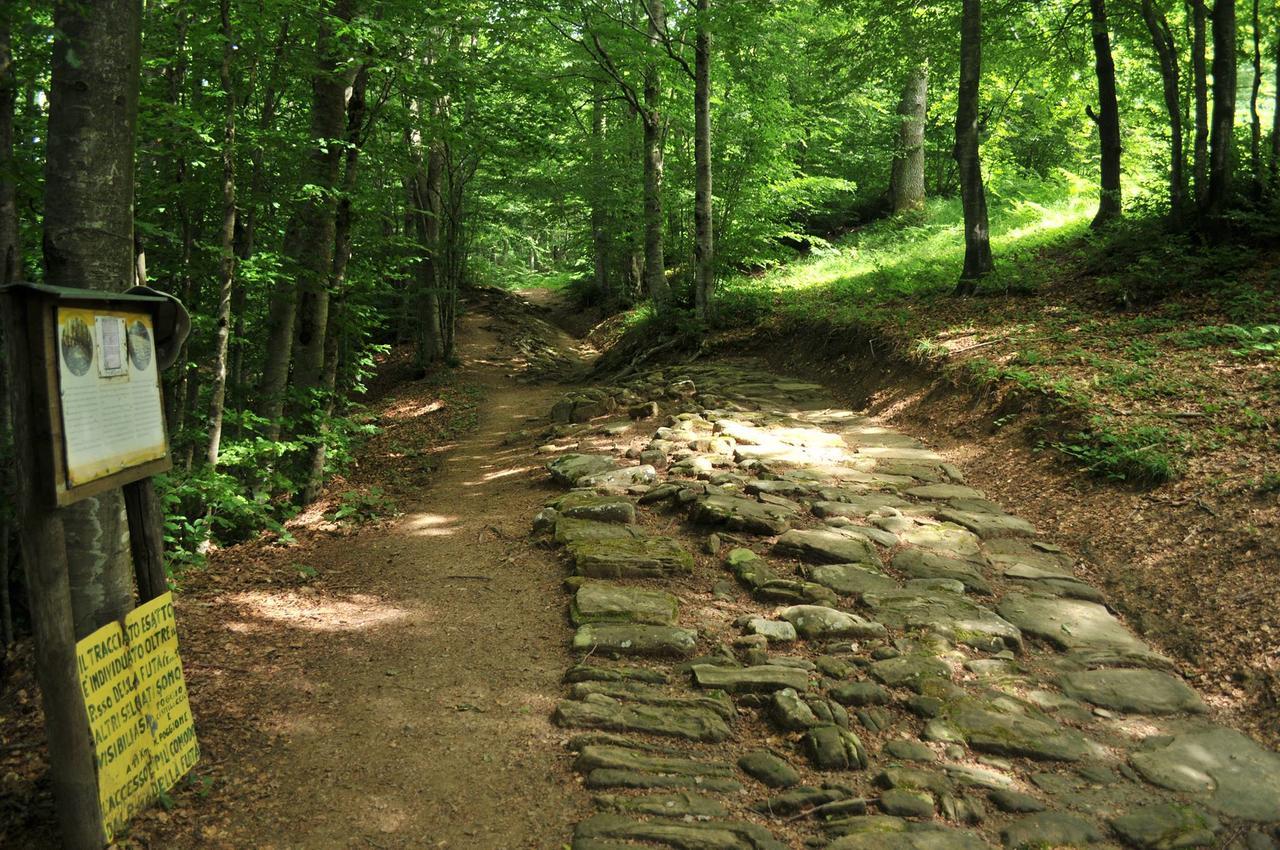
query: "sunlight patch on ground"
354, 613
411, 407
431, 525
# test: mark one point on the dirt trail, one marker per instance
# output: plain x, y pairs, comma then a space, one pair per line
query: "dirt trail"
408, 703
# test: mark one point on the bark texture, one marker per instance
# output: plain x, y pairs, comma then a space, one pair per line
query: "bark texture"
703, 223
1107, 117
1200, 84
1222, 131
977, 232
1167, 53
227, 262
906, 185
88, 242
655, 272
10, 249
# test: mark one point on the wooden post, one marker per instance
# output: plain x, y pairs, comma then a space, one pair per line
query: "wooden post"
146, 539
44, 555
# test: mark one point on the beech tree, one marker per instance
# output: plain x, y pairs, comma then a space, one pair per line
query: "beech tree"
978, 260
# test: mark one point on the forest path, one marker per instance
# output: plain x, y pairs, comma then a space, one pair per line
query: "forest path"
405, 695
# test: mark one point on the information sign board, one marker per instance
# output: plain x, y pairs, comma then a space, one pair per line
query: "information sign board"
136, 698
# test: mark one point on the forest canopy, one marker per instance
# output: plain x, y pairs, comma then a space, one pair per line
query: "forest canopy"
317, 181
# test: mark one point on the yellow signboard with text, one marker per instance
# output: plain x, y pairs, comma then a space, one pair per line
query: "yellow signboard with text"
136, 696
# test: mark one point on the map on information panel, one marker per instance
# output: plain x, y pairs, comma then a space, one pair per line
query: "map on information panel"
136, 696
112, 415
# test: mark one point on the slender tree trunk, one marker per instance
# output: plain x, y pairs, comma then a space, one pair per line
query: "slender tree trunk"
1275, 124
599, 214
88, 242
1255, 120
10, 248
978, 261
1222, 131
338, 277
227, 263
906, 186
704, 233
422, 185
1107, 117
655, 274
1166, 51
1200, 85
10, 271
315, 258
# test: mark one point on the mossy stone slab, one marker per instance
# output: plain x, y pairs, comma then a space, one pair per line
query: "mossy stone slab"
601, 602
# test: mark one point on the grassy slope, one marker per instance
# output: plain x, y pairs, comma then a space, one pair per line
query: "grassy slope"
1161, 357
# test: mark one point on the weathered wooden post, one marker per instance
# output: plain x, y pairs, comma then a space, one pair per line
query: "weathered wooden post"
88, 417
44, 555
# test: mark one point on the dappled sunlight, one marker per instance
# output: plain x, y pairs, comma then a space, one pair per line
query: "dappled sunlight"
314, 613
430, 525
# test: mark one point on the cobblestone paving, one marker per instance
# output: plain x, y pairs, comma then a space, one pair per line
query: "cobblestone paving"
800, 629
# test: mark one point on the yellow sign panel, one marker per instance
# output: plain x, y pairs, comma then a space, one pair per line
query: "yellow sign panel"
109, 385
143, 733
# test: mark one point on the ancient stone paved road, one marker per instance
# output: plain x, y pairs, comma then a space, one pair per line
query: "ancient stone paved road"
796, 628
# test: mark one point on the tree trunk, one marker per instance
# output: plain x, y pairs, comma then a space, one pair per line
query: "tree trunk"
1275, 126
655, 273
1107, 118
1222, 131
10, 248
906, 185
1200, 84
227, 263
703, 212
1255, 120
88, 242
338, 277
1166, 51
314, 260
599, 214
978, 261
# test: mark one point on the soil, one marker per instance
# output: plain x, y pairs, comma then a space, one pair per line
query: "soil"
390, 684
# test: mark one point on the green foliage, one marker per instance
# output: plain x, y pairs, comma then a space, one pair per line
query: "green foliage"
356, 507
1144, 455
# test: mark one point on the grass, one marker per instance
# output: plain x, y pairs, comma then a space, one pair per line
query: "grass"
1156, 352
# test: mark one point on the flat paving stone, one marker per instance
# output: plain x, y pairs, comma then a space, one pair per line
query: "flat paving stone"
945, 491
988, 524
922, 563
817, 621
769, 768
947, 538
1228, 771
683, 805
763, 678
1133, 690
630, 557
1050, 829
1166, 826
600, 602
716, 701
676, 805
880, 839
692, 835
635, 639
738, 514
570, 468
850, 579
622, 758
612, 715
1076, 625
949, 614
1005, 726
827, 546
590, 505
